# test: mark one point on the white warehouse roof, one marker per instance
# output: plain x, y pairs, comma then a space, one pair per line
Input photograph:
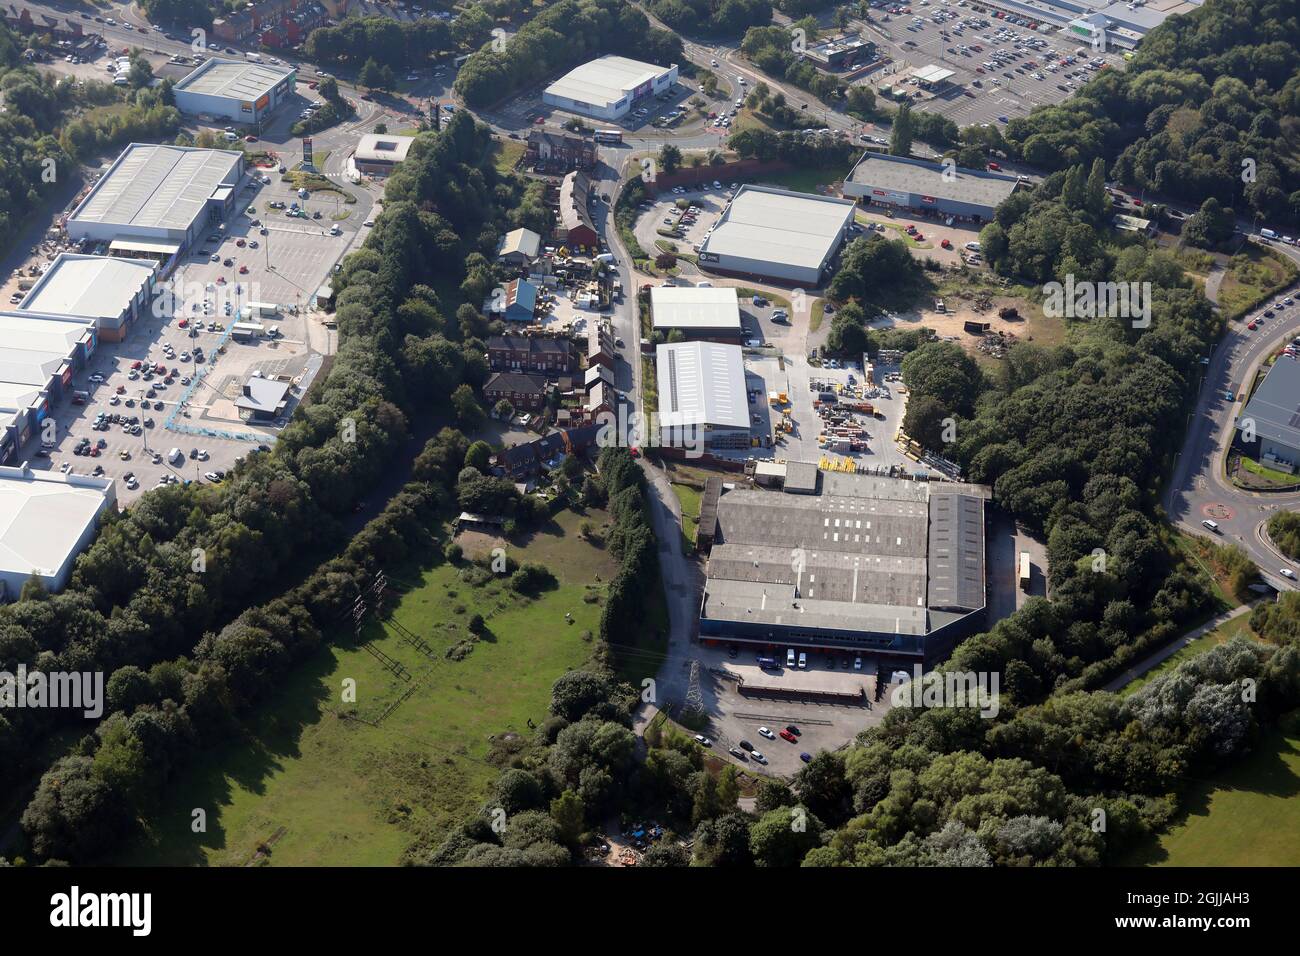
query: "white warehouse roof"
690, 307
43, 333
374, 147
45, 519
776, 225
160, 187
605, 81
701, 383
90, 287
238, 80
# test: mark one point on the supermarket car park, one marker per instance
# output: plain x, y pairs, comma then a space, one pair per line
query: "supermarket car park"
185, 361
999, 69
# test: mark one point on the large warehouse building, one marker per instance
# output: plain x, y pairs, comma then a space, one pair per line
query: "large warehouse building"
874, 565
235, 90
702, 396
917, 185
156, 201
1273, 412
46, 520
705, 314
608, 87
38, 357
777, 234
110, 292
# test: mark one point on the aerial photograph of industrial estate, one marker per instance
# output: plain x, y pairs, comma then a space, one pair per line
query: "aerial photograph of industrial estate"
650, 434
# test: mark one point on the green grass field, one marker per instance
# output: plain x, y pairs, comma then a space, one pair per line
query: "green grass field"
315, 788
690, 502
1249, 815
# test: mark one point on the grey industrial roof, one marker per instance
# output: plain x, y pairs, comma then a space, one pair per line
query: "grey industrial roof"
604, 81
236, 79
801, 476
777, 225
701, 383
263, 395
953, 183
956, 552
162, 187
690, 307
868, 553
90, 286
1275, 406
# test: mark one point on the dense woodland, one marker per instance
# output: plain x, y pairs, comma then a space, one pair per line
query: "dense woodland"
561, 37
1209, 106
711, 16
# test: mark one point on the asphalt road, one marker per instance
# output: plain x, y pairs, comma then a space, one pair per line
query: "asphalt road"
1198, 489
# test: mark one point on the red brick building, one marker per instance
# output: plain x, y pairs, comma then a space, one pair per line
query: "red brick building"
520, 389
550, 150
532, 353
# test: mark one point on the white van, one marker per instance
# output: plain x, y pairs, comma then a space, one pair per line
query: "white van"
1211, 525
1268, 233
175, 456
803, 661
789, 657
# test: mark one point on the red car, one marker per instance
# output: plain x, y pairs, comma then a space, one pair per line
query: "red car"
995, 167
946, 244
136, 364
918, 236
182, 323
786, 735
1253, 326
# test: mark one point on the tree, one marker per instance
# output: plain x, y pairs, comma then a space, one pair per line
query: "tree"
370, 76
569, 813
783, 837
900, 140
670, 158
468, 411
924, 421
478, 456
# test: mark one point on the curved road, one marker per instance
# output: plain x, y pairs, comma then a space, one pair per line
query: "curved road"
1198, 488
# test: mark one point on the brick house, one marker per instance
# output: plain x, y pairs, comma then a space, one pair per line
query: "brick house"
532, 353
520, 389
551, 150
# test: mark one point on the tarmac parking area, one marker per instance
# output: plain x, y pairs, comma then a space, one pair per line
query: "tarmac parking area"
194, 310
823, 724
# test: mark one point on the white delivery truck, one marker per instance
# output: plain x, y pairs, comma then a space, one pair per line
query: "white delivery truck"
175, 456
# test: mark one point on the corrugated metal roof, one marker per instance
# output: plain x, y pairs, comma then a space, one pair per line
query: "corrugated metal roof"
956, 552
160, 187
923, 178
89, 286
776, 225
690, 307
234, 79
605, 81
701, 383
1275, 406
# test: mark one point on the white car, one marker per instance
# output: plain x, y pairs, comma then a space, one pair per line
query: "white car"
699, 738
767, 733
97, 378
1288, 573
